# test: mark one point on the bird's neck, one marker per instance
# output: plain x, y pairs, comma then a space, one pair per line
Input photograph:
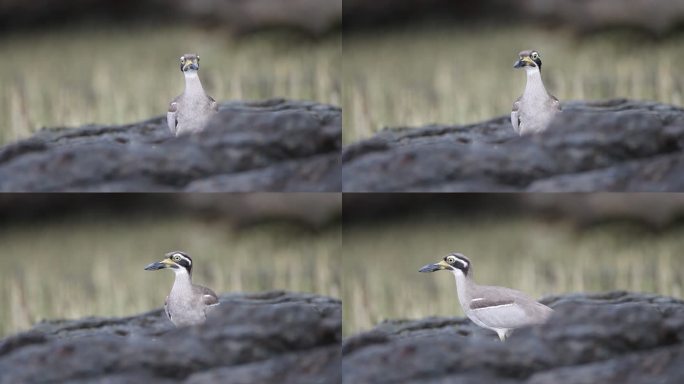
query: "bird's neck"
183, 282
535, 85
193, 85
463, 287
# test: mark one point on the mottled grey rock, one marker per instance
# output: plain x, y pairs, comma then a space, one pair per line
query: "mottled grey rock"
614, 337
266, 146
616, 145
273, 337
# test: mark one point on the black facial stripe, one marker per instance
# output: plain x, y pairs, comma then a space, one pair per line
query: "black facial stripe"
461, 262
185, 260
538, 62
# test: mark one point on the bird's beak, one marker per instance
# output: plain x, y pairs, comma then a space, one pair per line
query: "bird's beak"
435, 267
189, 64
525, 61
166, 263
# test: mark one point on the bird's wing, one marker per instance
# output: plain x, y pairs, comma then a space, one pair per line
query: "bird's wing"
509, 315
171, 120
500, 307
209, 297
214, 104
555, 102
166, 307
515, 119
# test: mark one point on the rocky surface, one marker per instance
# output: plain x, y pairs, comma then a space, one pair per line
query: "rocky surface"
273, 337
614, 337
615, 145
274, 145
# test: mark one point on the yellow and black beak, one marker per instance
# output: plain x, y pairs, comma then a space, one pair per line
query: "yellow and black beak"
524, 61
189, 64
166, 263
435, 267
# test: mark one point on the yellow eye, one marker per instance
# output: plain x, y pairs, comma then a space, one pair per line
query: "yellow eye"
535, 55
176, 258
451, 259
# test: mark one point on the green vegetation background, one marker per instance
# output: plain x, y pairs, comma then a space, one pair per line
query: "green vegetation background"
540, 257
108, 75
461, 74
92, 265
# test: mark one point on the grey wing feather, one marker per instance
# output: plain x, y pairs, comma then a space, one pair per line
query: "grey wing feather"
209, 297
171, 120
484, 303
516, 309
214, 104
166, 307
555, 102
515, 119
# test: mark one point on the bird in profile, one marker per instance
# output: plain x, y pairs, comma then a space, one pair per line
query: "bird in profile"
190, 111
497, 308
534, 110
187, 303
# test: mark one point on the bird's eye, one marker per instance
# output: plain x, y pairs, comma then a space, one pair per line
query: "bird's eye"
535, 55
182, 59
176, 258
451, 259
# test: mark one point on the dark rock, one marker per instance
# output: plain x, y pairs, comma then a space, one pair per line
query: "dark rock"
273, 337
615, 337
616, 145
274, 145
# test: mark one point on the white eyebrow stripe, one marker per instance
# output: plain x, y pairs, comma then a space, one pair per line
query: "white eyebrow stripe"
463, 263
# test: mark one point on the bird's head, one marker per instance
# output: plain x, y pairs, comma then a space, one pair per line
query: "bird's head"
528, 60
176, 260
189, 62
455, 263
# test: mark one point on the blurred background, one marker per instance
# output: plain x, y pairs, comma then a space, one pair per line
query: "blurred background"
75, 62
416, 62
69, 256
541, 244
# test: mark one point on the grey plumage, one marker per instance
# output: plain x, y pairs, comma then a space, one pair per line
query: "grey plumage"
187, 303
497, 308
533, 111
190, 111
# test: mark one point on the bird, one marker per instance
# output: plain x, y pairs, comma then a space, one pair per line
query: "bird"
187, 303
190, 111
496, 308
533, 111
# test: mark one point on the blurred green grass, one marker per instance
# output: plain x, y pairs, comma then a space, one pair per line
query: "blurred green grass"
108, 75
454, 74
381, 262
93, 266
